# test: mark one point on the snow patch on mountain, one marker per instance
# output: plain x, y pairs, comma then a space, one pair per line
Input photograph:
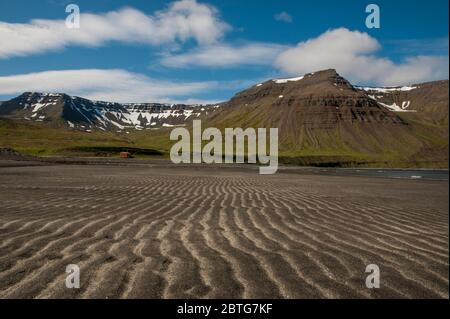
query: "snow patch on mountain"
388, 89
396, 108
282, 81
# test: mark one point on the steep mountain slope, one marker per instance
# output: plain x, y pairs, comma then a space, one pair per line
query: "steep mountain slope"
322, 117
62, 110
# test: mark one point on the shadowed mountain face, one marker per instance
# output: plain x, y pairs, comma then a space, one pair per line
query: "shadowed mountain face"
320, 116
83, 114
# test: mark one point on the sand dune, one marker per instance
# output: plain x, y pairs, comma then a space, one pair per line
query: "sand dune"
155, 232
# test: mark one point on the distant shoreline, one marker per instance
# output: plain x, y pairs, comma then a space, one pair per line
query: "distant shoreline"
402, 173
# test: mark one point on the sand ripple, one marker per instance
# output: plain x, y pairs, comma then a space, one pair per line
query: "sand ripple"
185, 233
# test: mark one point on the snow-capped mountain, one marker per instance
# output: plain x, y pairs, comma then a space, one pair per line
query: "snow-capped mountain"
322, 114
428, 100
321, 99
84, 114
321, 117
378, 94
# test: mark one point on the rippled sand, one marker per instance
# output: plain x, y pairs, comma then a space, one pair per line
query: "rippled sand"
155, 232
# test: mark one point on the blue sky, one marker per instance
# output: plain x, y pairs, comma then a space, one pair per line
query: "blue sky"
203, 51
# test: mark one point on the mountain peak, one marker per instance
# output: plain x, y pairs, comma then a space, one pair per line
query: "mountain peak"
324, 83
323, 74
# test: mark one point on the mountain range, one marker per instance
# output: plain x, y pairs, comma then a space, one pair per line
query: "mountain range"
59, 109
322, 118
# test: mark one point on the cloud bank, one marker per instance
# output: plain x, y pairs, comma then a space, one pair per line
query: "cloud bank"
355, 55
181, 21
98, 84
352, 53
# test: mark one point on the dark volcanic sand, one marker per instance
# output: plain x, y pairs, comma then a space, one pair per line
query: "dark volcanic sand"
177, 232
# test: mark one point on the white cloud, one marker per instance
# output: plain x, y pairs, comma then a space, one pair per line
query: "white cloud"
226, 55
116, 85
105, 85
181, 21
352, 53
283, 17
415, 70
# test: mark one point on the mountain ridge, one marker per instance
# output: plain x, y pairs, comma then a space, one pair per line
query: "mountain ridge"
79, 113
84, 114
320, 115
